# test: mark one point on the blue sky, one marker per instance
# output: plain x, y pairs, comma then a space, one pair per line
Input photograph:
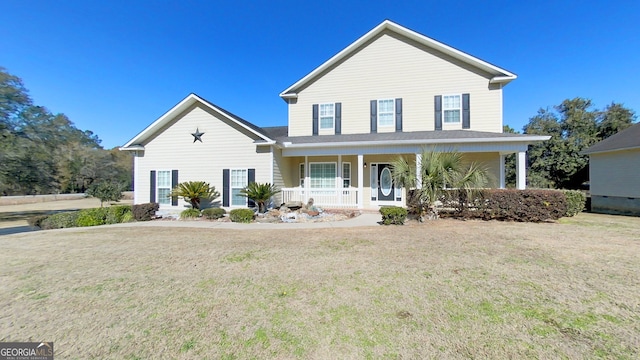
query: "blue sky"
115, 66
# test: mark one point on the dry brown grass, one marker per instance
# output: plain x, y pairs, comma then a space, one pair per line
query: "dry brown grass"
443, 289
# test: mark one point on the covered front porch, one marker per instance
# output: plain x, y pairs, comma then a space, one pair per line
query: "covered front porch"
365, 182
353, 171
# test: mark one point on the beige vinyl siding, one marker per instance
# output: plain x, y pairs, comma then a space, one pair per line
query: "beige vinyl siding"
389, 68
225, 145
615, 173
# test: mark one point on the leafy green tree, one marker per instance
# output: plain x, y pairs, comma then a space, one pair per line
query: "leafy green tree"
194, 192
260, 193
105, 191
42, 153
574, 125
438, 171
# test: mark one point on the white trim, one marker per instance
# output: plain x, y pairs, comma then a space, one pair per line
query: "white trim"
502, 171
335, 178
231, 187
521, 171
333, 117
302, 176
456, 124
342, 174
522, 139
360, 181
393, 113
158, 187
500, 75
174, 111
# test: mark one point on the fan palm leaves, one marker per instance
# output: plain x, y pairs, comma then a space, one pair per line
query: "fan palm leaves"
194, 192
438, 171
260, 193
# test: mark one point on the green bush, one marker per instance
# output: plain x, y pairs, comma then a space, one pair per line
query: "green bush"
241, 215
190, 214
60, 220
520, 205
213, 213
145, 212
92, 217
393, 215
576, 202
36, 221
116, 214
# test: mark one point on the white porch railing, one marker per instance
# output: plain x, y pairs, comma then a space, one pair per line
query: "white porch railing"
335, 198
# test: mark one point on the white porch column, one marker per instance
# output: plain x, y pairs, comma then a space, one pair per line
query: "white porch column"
360, 181
521, 172
339, 184
307, 179
418, 176
502, 171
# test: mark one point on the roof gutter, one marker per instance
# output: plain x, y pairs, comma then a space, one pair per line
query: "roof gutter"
290, 145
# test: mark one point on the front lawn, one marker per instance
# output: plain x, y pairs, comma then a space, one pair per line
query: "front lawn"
442, 289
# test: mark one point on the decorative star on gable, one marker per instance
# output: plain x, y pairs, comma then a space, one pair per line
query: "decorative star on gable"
197, 136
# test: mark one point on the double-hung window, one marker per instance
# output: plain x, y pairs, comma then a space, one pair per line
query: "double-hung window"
302, 175
238, 182
327, 116
451, 106
322, 175
163, 187
386, 111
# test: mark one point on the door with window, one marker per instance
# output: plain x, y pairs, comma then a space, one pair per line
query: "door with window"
385, 183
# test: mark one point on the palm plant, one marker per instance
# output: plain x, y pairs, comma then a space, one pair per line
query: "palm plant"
194, 192
438, 171
260, 194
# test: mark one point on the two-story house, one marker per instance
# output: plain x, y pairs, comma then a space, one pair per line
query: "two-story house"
393, 92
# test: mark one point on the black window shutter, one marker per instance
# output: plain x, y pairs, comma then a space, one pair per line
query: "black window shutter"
438, 112
152, 186
374, 116
399, 115
314, 117
251, 178
225, 187
174, 183
338, 120
466, 116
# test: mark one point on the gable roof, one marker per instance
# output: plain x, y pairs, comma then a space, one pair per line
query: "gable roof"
624, 140
136, 142
500, 75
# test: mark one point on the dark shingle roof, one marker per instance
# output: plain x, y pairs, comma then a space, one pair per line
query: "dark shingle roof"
275, 132
626, 139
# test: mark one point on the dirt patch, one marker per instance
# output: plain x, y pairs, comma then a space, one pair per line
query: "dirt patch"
442, 289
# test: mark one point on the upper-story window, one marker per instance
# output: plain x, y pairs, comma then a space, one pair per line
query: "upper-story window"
386, 112
327, 116
451, 106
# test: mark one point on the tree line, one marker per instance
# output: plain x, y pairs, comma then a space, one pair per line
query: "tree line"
44, 153
574, 125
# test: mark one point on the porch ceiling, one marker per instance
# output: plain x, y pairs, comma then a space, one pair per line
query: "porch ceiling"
406, 142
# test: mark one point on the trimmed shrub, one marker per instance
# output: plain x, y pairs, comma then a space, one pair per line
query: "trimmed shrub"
145, 212
213, 213
36, 221
520, 205
190, 214
116, 214
576, 202
92, 217
393, 215
60, 220
241, 215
